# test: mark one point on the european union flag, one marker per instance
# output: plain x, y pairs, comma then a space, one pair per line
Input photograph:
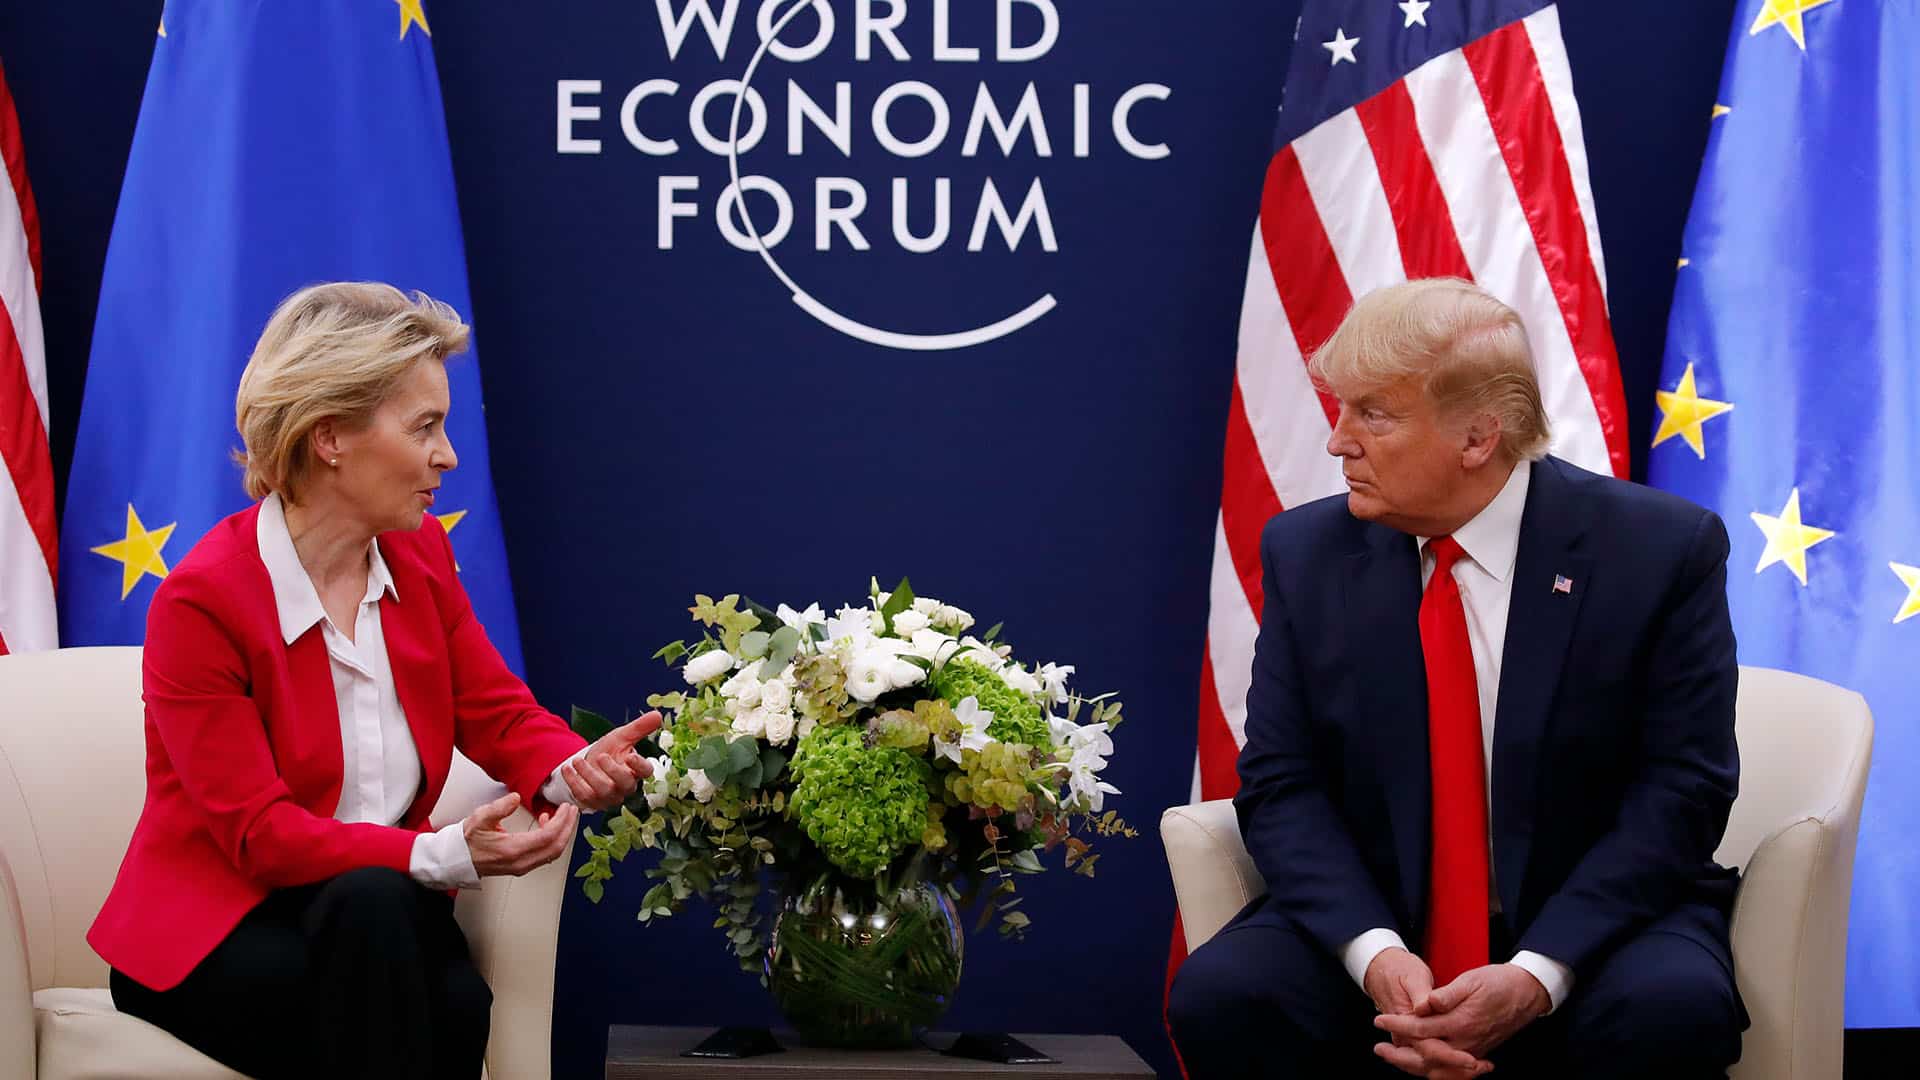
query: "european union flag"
1791, 394
278, 144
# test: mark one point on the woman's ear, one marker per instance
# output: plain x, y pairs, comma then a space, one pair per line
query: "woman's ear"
325, 441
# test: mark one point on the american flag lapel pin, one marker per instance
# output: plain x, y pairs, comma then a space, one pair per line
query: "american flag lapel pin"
1563, 584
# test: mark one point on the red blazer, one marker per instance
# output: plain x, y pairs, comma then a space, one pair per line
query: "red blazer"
243, 743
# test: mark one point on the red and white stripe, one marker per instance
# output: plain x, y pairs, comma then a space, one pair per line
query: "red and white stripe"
1472, 166
29, 552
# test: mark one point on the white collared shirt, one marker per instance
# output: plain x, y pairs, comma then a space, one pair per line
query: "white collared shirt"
380, 764
1491, 541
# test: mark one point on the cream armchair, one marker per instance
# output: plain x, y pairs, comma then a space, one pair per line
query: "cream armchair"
71, 786
1804, 748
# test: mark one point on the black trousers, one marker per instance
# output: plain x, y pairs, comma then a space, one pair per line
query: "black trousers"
1262, 999
365, 974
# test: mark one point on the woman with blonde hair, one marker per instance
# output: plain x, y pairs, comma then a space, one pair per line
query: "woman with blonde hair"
310, 667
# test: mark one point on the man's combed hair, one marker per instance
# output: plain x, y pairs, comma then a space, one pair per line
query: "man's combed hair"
1469, 349
330, 351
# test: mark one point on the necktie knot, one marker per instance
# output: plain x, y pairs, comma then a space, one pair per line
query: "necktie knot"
1446, 551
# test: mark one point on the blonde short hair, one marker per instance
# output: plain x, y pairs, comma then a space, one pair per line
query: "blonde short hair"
331, 351
1469, 349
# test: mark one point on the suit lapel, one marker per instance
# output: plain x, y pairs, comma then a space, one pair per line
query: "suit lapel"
1383, 597
1540, 620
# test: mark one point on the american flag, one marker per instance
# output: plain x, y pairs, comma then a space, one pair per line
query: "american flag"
28, 547
1421, 138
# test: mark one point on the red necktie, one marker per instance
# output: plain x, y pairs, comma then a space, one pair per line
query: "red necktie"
1457, 882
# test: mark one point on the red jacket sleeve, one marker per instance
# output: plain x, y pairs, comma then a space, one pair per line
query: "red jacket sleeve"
497, 722
198, 699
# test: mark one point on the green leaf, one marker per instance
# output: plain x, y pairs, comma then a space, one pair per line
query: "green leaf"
671, 651
784, 643
657, 898
752, 776
992, 632
742, 753
753, 644
772, 763
588, 724
1027, 862
594, 890
708, 755
898, 601
1016, 919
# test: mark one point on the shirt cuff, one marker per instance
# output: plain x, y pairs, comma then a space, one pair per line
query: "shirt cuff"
555, 790
1358, 954
441, 860
1554, 975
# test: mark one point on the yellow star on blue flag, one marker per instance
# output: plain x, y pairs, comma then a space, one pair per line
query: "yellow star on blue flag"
410, 15
1788, 15
138, 552
1788, 538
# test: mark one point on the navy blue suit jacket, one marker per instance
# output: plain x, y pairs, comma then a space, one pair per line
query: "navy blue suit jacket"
1614, 764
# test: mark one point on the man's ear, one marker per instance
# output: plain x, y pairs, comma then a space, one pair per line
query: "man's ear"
1483, 441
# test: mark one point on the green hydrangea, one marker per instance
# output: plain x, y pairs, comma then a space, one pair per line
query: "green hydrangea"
1016, 718
862, 806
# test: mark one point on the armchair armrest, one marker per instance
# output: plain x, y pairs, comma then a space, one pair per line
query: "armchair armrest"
1213, 876
512, 927
16, 985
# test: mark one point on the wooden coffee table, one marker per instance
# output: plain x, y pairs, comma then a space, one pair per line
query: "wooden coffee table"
653, 1053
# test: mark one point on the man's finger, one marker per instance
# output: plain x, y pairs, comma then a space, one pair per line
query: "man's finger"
1413, 1027
1445, 998
582, 791
596, 777
498, 810
1402, 1058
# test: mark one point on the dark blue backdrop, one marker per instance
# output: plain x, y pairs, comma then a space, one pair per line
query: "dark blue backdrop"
667, 421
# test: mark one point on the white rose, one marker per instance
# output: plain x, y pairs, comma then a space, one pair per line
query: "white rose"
707, 666
752, 722
908, 623
701, 787
952, 618
664, 740
744, 687
926, 605
776, 696
1020, 679
779, 727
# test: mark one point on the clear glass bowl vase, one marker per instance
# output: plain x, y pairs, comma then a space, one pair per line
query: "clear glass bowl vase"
854, 971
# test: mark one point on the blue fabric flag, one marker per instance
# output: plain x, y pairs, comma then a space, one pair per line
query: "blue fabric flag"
279, 144
1790, 396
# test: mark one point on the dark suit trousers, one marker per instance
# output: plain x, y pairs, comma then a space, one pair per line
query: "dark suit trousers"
1262, 999
366, 974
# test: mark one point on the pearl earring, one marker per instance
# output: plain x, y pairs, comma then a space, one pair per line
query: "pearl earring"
335, 463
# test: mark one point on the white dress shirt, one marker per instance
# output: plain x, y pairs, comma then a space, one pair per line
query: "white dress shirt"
380, 765
1491, 542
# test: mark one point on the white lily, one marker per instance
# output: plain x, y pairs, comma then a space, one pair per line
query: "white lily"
1054, 678
973, 730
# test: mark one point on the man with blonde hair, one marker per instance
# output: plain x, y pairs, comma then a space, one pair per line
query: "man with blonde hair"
1489, 744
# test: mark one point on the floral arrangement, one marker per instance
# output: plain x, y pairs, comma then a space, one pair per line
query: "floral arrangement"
874, 749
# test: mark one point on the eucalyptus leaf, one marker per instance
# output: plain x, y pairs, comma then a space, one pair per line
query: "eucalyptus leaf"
753, 644
772, 762
590, 725
742, 753
785, 642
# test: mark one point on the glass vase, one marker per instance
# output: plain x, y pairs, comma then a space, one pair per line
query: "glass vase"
864, 971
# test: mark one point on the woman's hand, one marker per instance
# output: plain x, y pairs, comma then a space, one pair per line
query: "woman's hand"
611, 769
499, 853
